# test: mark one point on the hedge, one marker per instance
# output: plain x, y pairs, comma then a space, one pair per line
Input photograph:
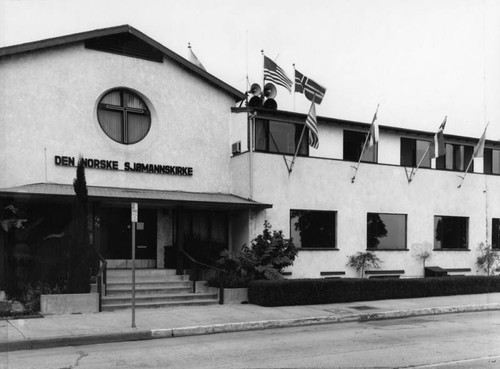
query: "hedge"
326, 291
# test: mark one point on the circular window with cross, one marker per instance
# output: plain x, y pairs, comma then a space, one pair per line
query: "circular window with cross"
124, 116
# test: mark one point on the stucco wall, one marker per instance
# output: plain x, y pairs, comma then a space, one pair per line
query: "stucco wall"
320, 184
48, 102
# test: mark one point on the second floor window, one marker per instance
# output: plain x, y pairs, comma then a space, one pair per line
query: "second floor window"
412, 152
491, 161
457, 158
280, 137
353, 147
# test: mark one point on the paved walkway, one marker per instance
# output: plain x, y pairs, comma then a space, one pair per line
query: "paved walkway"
79, 329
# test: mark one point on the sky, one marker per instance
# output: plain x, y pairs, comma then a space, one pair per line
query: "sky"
421, 60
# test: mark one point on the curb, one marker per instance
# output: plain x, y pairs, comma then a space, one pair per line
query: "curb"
43, 343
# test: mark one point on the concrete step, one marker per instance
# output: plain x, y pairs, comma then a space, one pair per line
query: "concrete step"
152, 285
141, 290
198, 302
141, 272
139, 279
126, 299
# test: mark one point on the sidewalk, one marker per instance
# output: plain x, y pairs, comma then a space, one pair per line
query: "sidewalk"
81, 329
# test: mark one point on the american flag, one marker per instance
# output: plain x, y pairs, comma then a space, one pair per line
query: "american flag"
273, 73
308, 87
312, 124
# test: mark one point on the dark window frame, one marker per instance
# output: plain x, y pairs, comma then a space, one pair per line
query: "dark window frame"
264, 140
495, 234
353, 142
409, 154
125, 113
298, 243
488, 160
447, 228
369, 236
449, 161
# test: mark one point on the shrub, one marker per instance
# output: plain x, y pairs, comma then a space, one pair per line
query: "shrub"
32, 295
488, 260
268, 255
362, 261
288, 292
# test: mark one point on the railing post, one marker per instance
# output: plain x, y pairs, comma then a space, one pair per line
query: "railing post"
104, 276
195, 277
99, 291
221, 289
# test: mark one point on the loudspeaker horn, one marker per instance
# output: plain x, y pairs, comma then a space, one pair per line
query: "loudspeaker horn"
255, 102
270, 91
255, 89
270, 104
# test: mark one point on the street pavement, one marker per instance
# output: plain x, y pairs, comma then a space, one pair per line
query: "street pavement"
116, 326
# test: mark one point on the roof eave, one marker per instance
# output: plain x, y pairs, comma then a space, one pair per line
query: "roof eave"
82, 36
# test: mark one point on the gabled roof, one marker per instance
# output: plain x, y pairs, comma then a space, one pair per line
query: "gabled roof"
124, 30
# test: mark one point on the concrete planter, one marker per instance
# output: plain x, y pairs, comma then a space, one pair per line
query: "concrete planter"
69, 303
235, 295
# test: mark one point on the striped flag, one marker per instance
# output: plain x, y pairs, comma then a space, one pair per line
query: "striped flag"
437, 147
479, 149
312, 124
273, 73
373, 139
308, 87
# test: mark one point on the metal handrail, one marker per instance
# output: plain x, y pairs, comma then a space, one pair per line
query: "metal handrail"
101, 277
221, 272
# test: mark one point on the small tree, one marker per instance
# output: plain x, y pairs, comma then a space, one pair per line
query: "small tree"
422, 252
78, 273
488, 260
362, 261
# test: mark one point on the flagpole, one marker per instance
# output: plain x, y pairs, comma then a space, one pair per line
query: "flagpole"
297, 150
300, 141
414, 170
364, 147
473, 157
294, 87
263, 75
466, 170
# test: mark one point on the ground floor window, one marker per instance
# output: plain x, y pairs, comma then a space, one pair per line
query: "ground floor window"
386, 231
451, 232
495, 234
313, 229
205, 234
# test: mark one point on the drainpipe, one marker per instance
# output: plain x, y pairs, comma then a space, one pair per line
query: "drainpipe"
251, 122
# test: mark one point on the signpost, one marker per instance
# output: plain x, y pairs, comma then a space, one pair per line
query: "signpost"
134, 215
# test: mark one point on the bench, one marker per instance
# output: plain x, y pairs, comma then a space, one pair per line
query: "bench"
384, 273
331, 275
458, 270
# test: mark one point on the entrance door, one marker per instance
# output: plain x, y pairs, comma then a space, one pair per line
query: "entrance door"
116, 228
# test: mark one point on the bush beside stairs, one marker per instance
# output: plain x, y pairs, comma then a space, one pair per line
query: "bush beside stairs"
154, 288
